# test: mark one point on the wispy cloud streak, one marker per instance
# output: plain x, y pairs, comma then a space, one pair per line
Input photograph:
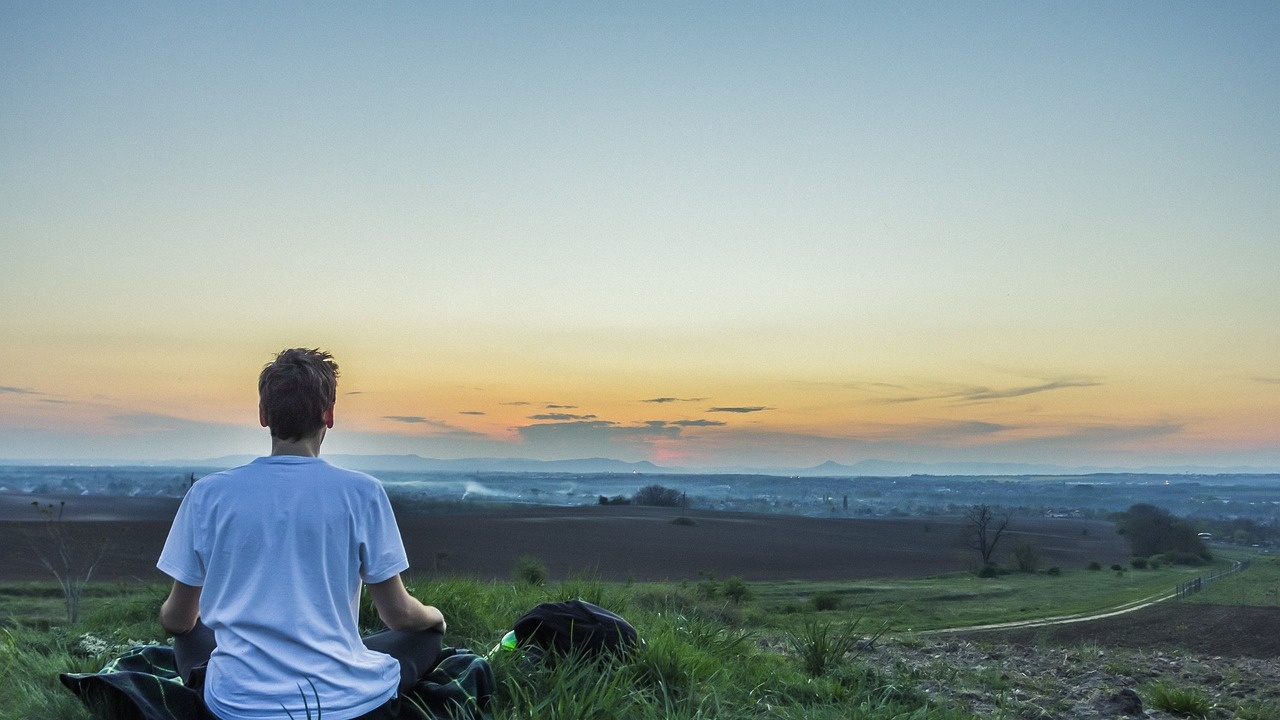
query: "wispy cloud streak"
983, 393
978, 394
561, 417
685, 423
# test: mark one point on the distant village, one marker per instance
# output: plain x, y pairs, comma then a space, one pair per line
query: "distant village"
1238, 509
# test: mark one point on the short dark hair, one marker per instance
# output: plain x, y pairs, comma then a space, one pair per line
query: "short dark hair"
295, 389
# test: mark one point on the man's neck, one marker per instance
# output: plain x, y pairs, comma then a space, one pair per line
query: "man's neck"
305, 447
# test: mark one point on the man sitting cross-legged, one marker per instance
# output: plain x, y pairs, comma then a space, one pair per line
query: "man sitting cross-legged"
268, 560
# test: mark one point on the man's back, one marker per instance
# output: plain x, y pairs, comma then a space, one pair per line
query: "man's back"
280, 547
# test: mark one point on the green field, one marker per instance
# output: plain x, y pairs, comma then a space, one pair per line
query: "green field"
963, 599
1259, 585
716, 648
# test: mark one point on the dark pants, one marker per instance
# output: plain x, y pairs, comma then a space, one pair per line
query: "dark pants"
416, 651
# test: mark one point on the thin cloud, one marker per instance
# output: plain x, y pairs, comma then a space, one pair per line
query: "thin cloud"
560, 407
1122, 433
10, 390
743, 409
587, 432
911, 398
444, 427
517, 403
561, 417
471, 412
930, 431
1268, 380
983, 393
978, 394
661, 400
684, 423
970, 428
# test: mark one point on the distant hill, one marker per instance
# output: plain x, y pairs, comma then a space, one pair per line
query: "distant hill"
865, 468
890, 468
417, 463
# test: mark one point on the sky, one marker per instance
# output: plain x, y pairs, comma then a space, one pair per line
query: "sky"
711, 234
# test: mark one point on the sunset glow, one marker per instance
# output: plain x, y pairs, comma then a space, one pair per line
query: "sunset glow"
706, 237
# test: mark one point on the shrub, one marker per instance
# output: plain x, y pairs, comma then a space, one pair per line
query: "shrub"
707, 588
824, 600
682, 520
1095, 565
531, 570
660, 496
736, 590
1055, 571
1182, 558
1025, 558
1258, 710
820, 645
1118, 567
1185, 702
989, 570
1139, 563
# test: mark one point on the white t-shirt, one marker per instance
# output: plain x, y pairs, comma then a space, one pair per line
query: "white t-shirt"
280, 547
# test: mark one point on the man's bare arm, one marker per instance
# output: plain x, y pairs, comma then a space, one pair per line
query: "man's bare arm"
402, 611
179, 611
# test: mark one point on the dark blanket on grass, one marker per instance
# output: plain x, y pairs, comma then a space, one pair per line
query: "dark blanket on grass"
144, 683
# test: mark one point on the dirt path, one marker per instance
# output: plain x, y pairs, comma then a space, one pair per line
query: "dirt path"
1124, 609
1061, 619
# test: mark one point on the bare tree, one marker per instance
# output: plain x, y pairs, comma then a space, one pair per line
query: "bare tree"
71, 562
985, 527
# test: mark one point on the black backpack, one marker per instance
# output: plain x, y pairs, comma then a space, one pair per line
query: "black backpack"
574, 627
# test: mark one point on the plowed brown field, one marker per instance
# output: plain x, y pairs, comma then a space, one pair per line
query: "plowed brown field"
612, 542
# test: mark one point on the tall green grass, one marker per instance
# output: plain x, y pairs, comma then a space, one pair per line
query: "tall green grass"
768, 653
698, 658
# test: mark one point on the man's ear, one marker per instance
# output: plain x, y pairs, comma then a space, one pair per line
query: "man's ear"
262, 415
328, 417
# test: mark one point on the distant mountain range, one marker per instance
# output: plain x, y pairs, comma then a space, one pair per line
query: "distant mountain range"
865, 468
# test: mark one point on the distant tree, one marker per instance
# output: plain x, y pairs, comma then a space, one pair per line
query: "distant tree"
1153, 531
984, 526
660, 496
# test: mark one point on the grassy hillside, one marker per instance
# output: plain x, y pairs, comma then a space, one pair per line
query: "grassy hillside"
715, 647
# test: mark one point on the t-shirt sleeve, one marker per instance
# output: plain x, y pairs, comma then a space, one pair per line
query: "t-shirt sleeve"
382, 553
180, 558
